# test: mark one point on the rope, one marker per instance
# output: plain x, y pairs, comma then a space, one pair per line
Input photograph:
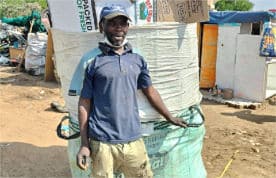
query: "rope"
189, 113
228, 164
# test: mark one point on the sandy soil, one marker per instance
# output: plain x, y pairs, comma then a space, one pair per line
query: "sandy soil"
30, 147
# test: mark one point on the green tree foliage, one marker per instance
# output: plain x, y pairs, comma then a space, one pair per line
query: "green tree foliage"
42, 3
14, 8
233, 5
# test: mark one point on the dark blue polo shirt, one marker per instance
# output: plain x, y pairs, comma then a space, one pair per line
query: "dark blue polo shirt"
111, 82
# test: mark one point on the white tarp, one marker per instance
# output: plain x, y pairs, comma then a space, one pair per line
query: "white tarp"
169, 49
72, 15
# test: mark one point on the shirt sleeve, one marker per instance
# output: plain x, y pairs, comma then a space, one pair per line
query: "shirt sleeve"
87, 87
144, 80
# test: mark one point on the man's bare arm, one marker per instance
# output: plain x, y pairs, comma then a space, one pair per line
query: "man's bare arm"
83, 114
156, 101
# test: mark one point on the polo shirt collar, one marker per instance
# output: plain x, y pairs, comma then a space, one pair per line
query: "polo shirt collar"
106, 49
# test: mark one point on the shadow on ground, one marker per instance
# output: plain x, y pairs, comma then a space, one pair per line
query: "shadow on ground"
26, 160
207, 102
249, 116
24, 79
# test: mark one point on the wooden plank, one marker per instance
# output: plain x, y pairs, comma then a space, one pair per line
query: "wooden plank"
234, 102
49, 63
208, 56
21, 62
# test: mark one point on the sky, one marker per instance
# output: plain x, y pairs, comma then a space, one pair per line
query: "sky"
260, 5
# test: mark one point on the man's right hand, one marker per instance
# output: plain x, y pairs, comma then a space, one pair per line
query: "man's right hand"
82, 157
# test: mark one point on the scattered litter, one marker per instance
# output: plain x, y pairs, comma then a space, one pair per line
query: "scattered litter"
42, 92
254, 143
234, 102
243, 132
57, 107
65, 130
7, 81
256, 150
4, 60
4, 145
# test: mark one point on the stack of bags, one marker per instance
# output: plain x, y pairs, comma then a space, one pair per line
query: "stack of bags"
36, 53
171, 51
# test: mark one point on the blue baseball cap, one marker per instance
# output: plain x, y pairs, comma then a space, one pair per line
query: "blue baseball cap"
112, 12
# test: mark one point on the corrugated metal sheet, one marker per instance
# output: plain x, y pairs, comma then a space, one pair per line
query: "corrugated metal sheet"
208, 56
226, 56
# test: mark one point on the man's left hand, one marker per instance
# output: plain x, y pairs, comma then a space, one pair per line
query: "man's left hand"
178, 121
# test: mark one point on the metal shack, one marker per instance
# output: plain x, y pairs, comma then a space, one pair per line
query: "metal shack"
230, 55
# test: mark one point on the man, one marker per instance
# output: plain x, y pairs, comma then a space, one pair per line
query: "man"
108, 111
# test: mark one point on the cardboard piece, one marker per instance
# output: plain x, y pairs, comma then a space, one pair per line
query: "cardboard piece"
16, 53
187, 11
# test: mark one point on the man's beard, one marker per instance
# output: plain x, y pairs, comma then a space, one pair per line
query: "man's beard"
109, 39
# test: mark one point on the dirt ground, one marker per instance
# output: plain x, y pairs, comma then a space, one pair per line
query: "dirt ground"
30, 147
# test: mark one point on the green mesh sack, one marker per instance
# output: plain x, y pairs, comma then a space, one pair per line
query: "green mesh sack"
25, 21
174, 152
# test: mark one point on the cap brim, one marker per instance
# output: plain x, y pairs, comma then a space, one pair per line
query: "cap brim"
113, 15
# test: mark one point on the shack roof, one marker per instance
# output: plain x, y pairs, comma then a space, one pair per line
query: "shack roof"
240, 16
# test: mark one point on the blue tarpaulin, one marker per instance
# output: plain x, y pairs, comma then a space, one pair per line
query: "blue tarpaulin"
239, 17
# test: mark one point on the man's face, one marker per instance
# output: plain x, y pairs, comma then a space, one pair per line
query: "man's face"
116, 30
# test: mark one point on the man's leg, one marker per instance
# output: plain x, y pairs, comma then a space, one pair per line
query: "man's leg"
136, 161
102, 160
